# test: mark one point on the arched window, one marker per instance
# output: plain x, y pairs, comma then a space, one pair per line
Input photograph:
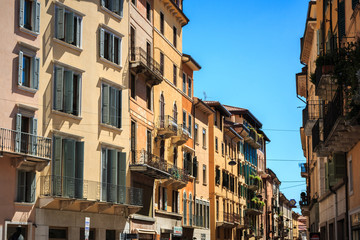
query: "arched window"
162, 111
175, 113
184, 208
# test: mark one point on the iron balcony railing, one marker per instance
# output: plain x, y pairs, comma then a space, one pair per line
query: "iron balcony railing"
24, 143
334, 111
142, 157
77, 188
168, 123
315, 135
304, 199
139, 55
320, 71
228, 217
183, 130
313, 111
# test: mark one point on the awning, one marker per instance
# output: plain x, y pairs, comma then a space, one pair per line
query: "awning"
145, 231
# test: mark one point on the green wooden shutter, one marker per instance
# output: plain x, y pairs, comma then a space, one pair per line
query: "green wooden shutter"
20, 68
105, 103
112, 48
121, 7
113, 114
117, 119
59, 88
122, 175
36, 68
77, 95
340, 167
102, 42
116, 6
37, 17
21, 185
79, 170
78, 32
104, 166
30, 186
60, 27
21, 13
69, 168
33, 140
69, 91
120, 109
18, 133
112, 175
57, 165
69, 28
119, 50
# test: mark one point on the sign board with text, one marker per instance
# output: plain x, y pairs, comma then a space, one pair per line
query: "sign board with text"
87, 228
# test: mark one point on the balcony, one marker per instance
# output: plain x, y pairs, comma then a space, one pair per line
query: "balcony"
304, 170
167, 126
74, 194
341, 130
178, 177
142, 63
183, 134
311, 113
325, 84
254, 184
148, 164
30, 150
254, 209
252, 139
227, 222
316, 135
304, 204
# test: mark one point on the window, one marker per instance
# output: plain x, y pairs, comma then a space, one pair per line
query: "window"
217, 211
24, 142
58, 233
164, 194
204, 175
68, 26
148, 97
67, 91
189, 87
175, 155
68, 167
162, 63
110, 234
115, 6
132, 43
350, 176
110, 46
29, 15
133, 141
133, 85
204, 138
175, 202
111, 105
222, 148
148, 11
217, 176
16, 231
148, 141
175, 113
184, 119
190, 210
196, 134
184, 82
26, 187
174, 75
221, 122
184, 209
215, 119
28, 75
133, 2
216, 144
113, 176
162, 19
174, 36
190, 125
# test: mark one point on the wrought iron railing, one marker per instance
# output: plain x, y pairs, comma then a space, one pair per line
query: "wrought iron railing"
334, 111
315, 134
313, 111
304, 199
24, 143
320, 71
183, 130
142, 157
77, 188
141, 56
168, 122
228, 217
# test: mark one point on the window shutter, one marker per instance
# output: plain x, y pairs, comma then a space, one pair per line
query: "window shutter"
79, 168
77, 95
59, 88
56, 168
122, 175
60, 17
21, 13
21, 186
331, 172
112, 48
102, 40
113, 114
20, 71
34, 136
102, 3
119, 51
69, 168
112, 174
69, 91
116, 6
36, 68
104, 174
37, 17
120, 109
31, 186
195, 167
121, 2
18, 133
105, 103
340, 167
69, 35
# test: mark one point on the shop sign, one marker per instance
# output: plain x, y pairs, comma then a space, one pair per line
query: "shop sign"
177, 231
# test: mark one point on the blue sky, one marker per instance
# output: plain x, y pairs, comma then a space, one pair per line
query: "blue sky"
249, 52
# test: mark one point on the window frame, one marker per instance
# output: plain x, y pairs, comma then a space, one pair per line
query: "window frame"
204, 175
174, 36
33, 72
162, 23
34, 18
204, 138
119, 14
189, 87
148, 11
102, 32
184, 80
